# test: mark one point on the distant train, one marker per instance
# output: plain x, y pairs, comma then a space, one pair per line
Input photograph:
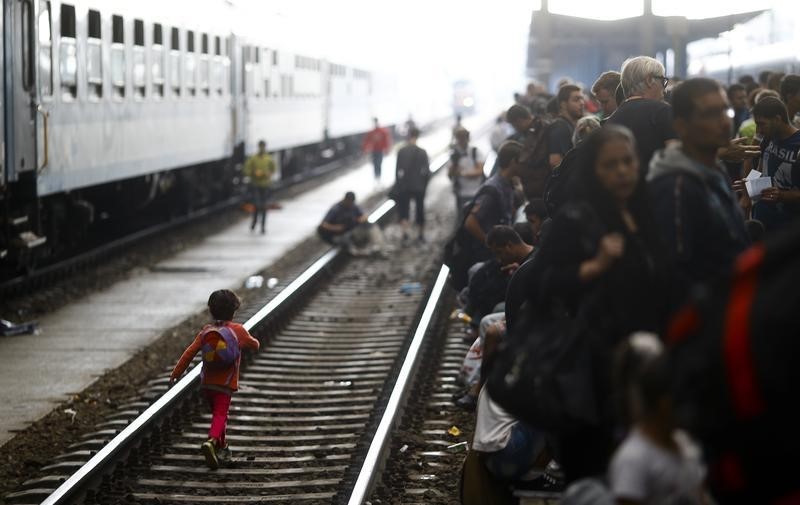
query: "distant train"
112, 108
768, 42
463, 98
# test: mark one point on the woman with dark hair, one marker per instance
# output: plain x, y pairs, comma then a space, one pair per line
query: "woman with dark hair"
601, 262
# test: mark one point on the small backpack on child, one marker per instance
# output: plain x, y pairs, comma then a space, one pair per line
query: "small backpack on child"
220, 347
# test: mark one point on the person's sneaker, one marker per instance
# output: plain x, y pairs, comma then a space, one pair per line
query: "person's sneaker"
209, 450
543, 483
467, 402
225, 454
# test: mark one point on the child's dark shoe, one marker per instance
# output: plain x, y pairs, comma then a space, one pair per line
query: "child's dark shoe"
209, 449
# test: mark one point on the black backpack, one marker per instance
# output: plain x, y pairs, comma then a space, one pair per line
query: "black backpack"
557, 185
462, 250
543, 373
734, 355
535, 157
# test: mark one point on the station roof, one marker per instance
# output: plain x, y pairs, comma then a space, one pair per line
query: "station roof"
570, 30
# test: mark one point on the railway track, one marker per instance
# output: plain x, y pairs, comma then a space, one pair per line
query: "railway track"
305, 421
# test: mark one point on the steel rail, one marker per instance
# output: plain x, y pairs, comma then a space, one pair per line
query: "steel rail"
372, 463
103, 461
125, 440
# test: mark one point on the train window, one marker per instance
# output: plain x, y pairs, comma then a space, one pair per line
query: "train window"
175, 62
45, 51
26, 46
157, 65
226, 66
139, 65
94, 56
274, 58
190, 64
257, 72
68, 54
118, 57
217, 70
204, 65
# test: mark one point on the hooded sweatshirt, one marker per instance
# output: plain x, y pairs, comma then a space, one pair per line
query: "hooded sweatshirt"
697, 213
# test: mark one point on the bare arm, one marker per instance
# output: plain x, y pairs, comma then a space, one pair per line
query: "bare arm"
331, 227
472, 225
555, 159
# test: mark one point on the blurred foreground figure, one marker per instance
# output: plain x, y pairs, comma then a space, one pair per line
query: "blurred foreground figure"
735, 374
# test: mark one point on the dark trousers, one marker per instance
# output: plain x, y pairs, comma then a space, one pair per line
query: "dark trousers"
260, 198
404, 206
377, 159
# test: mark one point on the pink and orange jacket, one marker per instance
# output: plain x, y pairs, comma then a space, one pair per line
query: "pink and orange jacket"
216, 377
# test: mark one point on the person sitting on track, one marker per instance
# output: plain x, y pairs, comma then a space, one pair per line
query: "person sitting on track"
341, 220
218, 384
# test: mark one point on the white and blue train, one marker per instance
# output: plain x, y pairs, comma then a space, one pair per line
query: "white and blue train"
115, 107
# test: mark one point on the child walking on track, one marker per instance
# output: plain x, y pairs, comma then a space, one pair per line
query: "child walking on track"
219, 342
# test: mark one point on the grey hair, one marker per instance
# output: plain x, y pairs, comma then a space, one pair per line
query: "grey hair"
584, 126
635, 72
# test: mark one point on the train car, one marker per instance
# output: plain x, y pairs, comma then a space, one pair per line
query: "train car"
768, 42
115, 109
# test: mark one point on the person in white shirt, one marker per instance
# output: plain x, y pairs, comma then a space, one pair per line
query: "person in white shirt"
465, 169
656, 464
500, 132
511, 445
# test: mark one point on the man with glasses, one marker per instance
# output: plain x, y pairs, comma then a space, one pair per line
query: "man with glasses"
695, 209
644, 111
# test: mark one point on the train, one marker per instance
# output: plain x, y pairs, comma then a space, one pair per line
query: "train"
769, 41
113, 109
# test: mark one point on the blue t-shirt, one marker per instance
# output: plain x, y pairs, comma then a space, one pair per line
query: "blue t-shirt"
340, 214
780, 159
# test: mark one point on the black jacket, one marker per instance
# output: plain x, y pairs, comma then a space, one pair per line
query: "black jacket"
412, 170
697, 213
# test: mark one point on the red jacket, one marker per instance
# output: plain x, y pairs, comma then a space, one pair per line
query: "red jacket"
376, 140
217, 377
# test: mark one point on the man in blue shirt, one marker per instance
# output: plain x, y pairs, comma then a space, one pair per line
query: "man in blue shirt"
341, 219
780, 160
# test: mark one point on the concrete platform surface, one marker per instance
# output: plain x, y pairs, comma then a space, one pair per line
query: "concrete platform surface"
82, 340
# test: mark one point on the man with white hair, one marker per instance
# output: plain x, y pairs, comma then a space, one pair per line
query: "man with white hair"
644, 111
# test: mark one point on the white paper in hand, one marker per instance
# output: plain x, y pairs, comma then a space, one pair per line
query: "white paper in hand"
754, 174
756, 185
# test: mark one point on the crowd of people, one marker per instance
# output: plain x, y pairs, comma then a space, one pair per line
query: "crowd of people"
614, 274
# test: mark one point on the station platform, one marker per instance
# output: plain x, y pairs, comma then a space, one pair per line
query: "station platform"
82, 340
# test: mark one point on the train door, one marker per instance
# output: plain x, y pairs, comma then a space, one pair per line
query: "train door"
19, 41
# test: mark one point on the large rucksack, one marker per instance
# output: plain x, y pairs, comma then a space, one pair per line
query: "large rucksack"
220, 347
462, 250
734, 355
543, 373
536, 158
558, 182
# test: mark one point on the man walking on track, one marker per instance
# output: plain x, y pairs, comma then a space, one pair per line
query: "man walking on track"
377, 143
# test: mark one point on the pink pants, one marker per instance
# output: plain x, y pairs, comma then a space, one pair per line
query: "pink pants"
219, 403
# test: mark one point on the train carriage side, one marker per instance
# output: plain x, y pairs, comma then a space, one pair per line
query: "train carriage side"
349, 106
134, 106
